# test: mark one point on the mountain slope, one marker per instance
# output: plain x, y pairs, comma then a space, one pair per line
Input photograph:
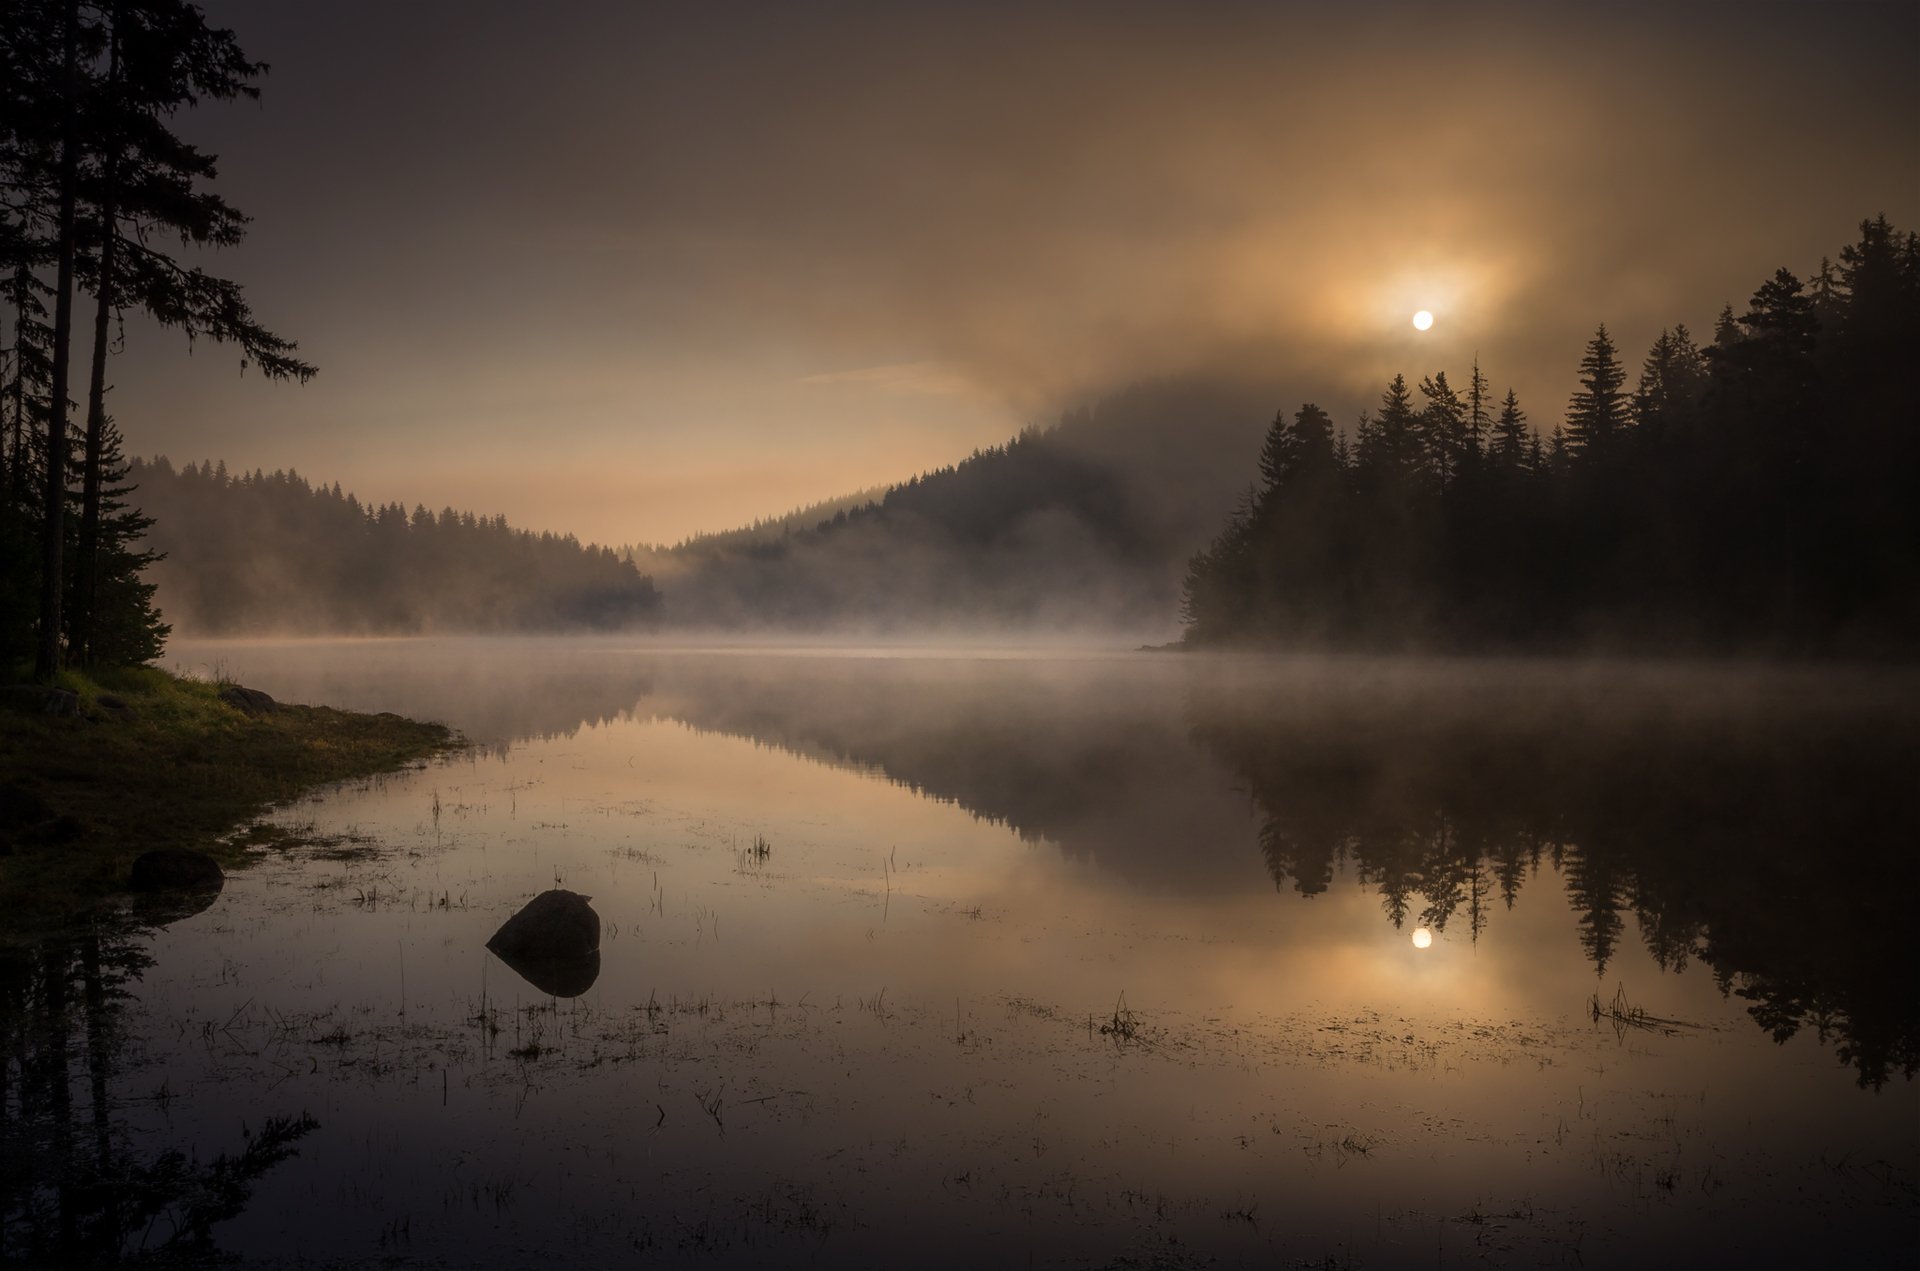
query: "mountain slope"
1087, 524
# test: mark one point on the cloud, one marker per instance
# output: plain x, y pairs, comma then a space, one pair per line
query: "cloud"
933, 379
654, 240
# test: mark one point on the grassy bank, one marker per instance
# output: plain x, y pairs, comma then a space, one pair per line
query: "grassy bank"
152, 760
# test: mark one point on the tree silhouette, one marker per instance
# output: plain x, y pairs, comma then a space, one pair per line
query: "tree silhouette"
94, 180
1512, 439
1755, 492
1597, 414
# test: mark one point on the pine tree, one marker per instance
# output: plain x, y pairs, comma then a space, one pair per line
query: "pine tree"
1726, 329
1479, 411
1511, 435
1443, 429
1671, 380
128, 630
94, 180
1597, 414
1828, 295
1396, 436
1310, 444
1276, 451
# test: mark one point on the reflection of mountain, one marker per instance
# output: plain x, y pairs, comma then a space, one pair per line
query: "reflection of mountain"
75, 1190
1088, 754
1770, 838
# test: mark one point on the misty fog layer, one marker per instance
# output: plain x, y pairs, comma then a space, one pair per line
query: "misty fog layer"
739, 261
1753, 820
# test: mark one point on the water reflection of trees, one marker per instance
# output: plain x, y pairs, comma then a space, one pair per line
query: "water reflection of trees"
1773, 843
1758, 825
76, 1186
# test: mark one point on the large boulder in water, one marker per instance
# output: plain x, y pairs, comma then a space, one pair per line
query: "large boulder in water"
176, 869
553, 943
557, 977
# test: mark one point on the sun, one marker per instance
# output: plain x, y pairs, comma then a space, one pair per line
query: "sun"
1422, 937
1422, 320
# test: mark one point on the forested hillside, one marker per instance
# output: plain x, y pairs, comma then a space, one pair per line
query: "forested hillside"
269, 552
1755, 493
1084, 524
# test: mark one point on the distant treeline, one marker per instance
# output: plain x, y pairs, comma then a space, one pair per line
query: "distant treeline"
1760, 492
265, 552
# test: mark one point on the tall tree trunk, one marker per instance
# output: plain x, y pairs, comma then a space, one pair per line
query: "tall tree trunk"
7, 455
47, 655
18, 476
86, 566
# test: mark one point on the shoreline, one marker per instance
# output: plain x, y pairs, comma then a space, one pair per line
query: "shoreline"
152, 760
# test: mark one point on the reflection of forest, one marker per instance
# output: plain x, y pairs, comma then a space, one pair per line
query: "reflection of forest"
1761, 827
1769, 840
75, 1188
1753, 823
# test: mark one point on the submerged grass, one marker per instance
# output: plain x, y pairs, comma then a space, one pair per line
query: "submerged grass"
1624, 1015
153, 760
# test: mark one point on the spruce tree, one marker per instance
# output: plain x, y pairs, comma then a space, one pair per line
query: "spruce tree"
1443, 428
1510, 435
1479, 411
1726, 328
1396, 434
1671, 379
128, 630
1597, 413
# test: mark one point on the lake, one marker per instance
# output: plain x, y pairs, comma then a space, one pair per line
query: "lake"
1020, 957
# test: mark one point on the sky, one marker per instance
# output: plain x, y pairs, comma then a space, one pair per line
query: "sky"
636, 271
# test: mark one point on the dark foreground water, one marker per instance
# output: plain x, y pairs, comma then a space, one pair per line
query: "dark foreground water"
1111, 960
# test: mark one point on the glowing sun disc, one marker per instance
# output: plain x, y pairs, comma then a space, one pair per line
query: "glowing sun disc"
1422, 937
1421, 321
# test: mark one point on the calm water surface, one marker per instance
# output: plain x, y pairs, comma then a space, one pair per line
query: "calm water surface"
1089, 960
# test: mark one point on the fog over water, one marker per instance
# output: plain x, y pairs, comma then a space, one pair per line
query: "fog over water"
1088, 956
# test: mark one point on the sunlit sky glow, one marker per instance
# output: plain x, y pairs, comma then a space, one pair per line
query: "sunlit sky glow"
636, 273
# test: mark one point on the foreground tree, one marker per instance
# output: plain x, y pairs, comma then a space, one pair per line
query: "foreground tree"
122, 183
